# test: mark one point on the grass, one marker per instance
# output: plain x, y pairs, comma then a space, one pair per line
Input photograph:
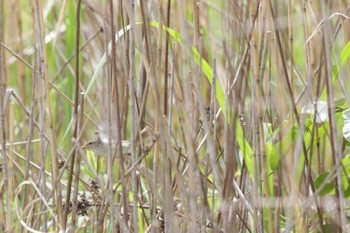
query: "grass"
236, 113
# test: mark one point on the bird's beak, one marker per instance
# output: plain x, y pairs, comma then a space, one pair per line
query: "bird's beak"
85, 146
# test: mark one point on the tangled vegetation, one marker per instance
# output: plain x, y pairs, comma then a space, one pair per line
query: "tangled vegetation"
211, 116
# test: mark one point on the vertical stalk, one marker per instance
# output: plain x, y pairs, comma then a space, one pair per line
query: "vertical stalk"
28, 149
75, 116
133, 117
213, 120
157, 113
111, 153
336, 153
5, 221
119, 151
77, 161
166, 60
109, 101
46, 108
168, 208
256, 134
43, 143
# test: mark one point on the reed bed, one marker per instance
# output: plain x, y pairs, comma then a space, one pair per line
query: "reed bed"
236, 113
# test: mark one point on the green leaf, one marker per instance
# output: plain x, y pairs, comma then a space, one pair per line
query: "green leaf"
282, 147
207, 43
103, 59
335, 74
345, 175
207, 70
172, 32
245, 148
345, 53
347, 192
328, 228
320, 180
346, 164
340, 103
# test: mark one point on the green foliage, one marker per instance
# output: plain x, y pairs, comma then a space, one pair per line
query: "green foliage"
345, 53
220, 96
346, 175
328, 188
207, 43
103, 59
225, 35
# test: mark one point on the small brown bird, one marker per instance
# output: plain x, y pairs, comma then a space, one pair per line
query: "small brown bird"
100, 146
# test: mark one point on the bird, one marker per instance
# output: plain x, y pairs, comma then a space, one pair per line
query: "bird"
100, 146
